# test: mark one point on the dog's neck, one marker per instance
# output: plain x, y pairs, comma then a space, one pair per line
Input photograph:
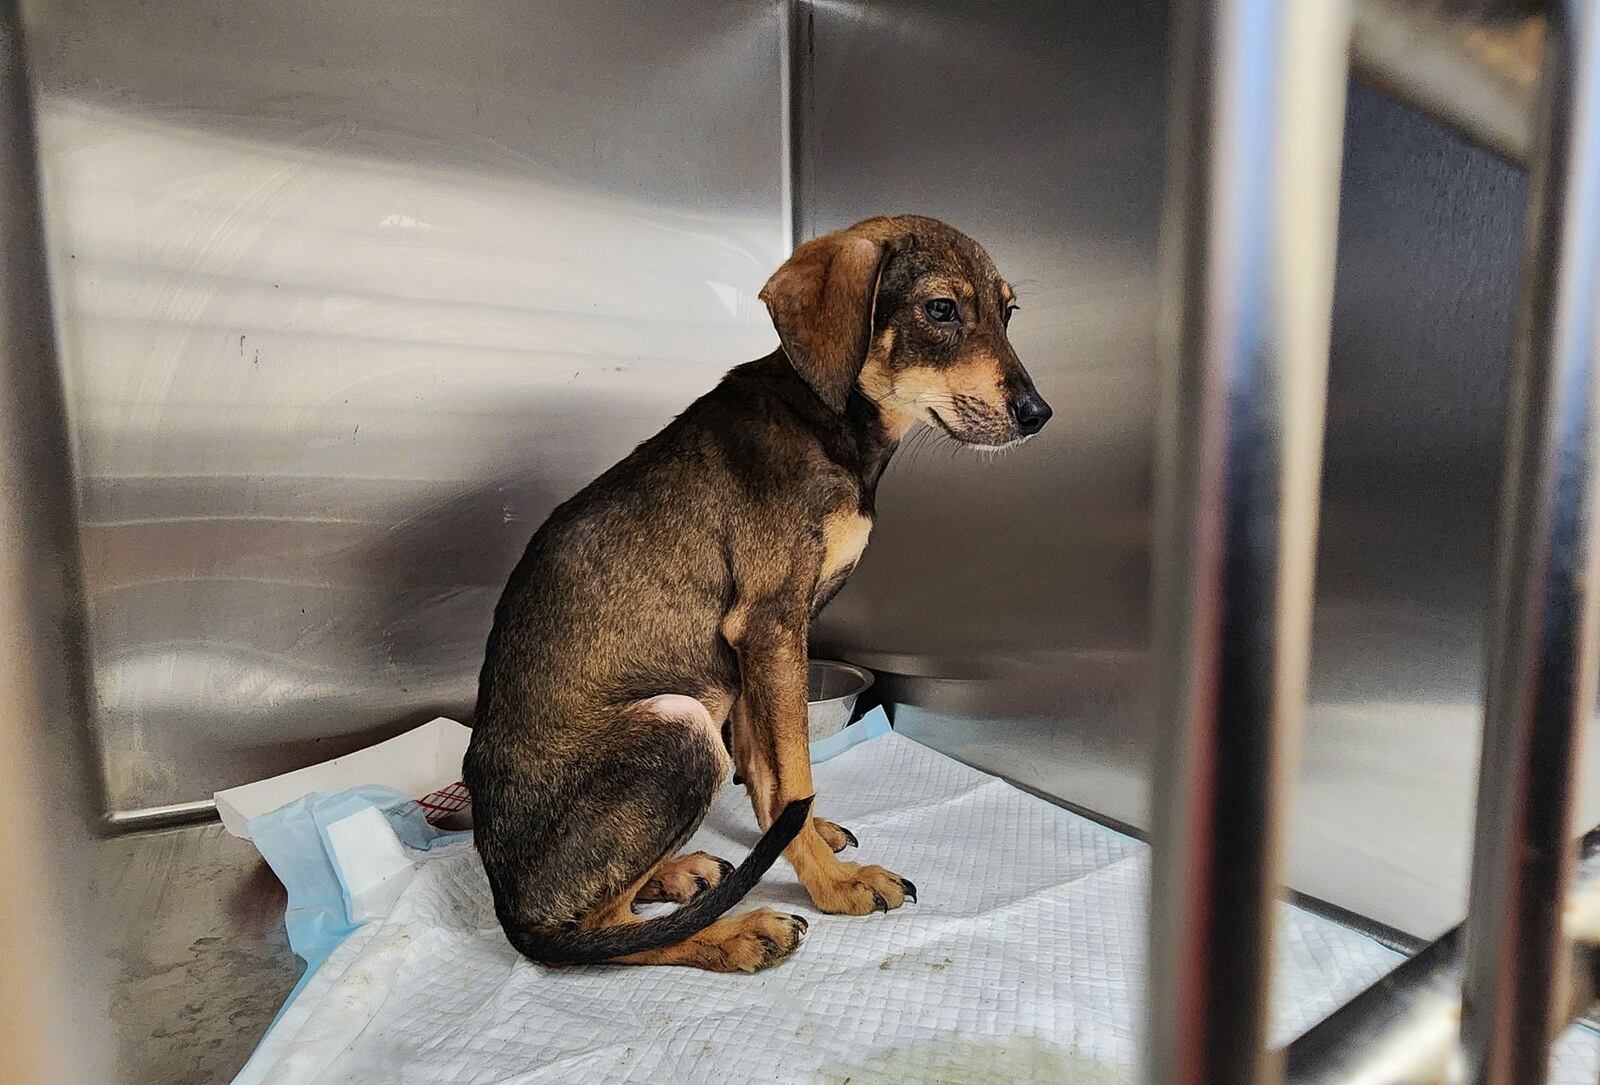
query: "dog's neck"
856, 438
874, 442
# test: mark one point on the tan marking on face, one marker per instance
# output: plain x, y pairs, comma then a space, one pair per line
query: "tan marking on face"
877, 384
844, 537
979, 378
916, 390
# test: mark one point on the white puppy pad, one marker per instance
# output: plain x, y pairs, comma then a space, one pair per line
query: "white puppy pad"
1022, 961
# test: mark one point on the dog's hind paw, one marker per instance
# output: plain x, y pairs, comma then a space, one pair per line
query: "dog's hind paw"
683, 878
752, 941
836, 837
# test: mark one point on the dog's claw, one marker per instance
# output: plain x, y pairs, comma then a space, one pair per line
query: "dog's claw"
700, 884
800, 920
878, 903
910, 889
726, 868
850, 837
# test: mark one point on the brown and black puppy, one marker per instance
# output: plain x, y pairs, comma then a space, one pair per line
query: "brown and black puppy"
674, 595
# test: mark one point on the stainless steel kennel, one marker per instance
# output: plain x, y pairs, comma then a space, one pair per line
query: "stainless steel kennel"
240, 526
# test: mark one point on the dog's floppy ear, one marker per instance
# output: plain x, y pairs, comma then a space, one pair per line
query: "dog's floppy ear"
821, 301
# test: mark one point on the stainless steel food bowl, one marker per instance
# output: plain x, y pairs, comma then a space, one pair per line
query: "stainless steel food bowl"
831, 691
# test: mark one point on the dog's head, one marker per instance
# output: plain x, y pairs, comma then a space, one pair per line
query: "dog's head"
912, 314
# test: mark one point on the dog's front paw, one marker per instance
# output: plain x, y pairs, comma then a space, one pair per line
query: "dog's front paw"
836, 837
852, 889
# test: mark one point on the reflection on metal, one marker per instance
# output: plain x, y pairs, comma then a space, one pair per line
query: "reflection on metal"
798, 104
52, 986
1476, 76
1406, 1026
1259, 92
163, 817
1542, 664
351, 295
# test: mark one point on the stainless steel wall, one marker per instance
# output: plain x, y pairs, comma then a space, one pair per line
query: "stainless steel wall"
54, 984
352, 293
1010, 596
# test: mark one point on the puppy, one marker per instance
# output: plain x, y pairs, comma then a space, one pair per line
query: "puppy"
673, 595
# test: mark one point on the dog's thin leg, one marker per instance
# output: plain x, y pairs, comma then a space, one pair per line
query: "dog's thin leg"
747, 942
770, 741
746, 760
835, 886
740, 742
618, 910
741, 943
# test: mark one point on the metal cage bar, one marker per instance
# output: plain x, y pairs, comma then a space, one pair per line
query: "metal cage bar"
1524, 963
1406, 1026
1540, 685
1258, 108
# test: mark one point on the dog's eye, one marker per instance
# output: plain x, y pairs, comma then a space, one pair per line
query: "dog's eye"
941, 310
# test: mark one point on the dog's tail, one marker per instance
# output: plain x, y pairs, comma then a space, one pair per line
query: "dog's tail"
571, 945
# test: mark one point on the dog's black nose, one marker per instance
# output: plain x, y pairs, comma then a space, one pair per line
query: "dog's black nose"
1031, 413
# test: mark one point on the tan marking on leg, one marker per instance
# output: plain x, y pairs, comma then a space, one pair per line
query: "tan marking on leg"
844, 537
619, 909
732, 626
835, 887
717, 705
841, 888
760, 782
773, 749
747, 942
684, 878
